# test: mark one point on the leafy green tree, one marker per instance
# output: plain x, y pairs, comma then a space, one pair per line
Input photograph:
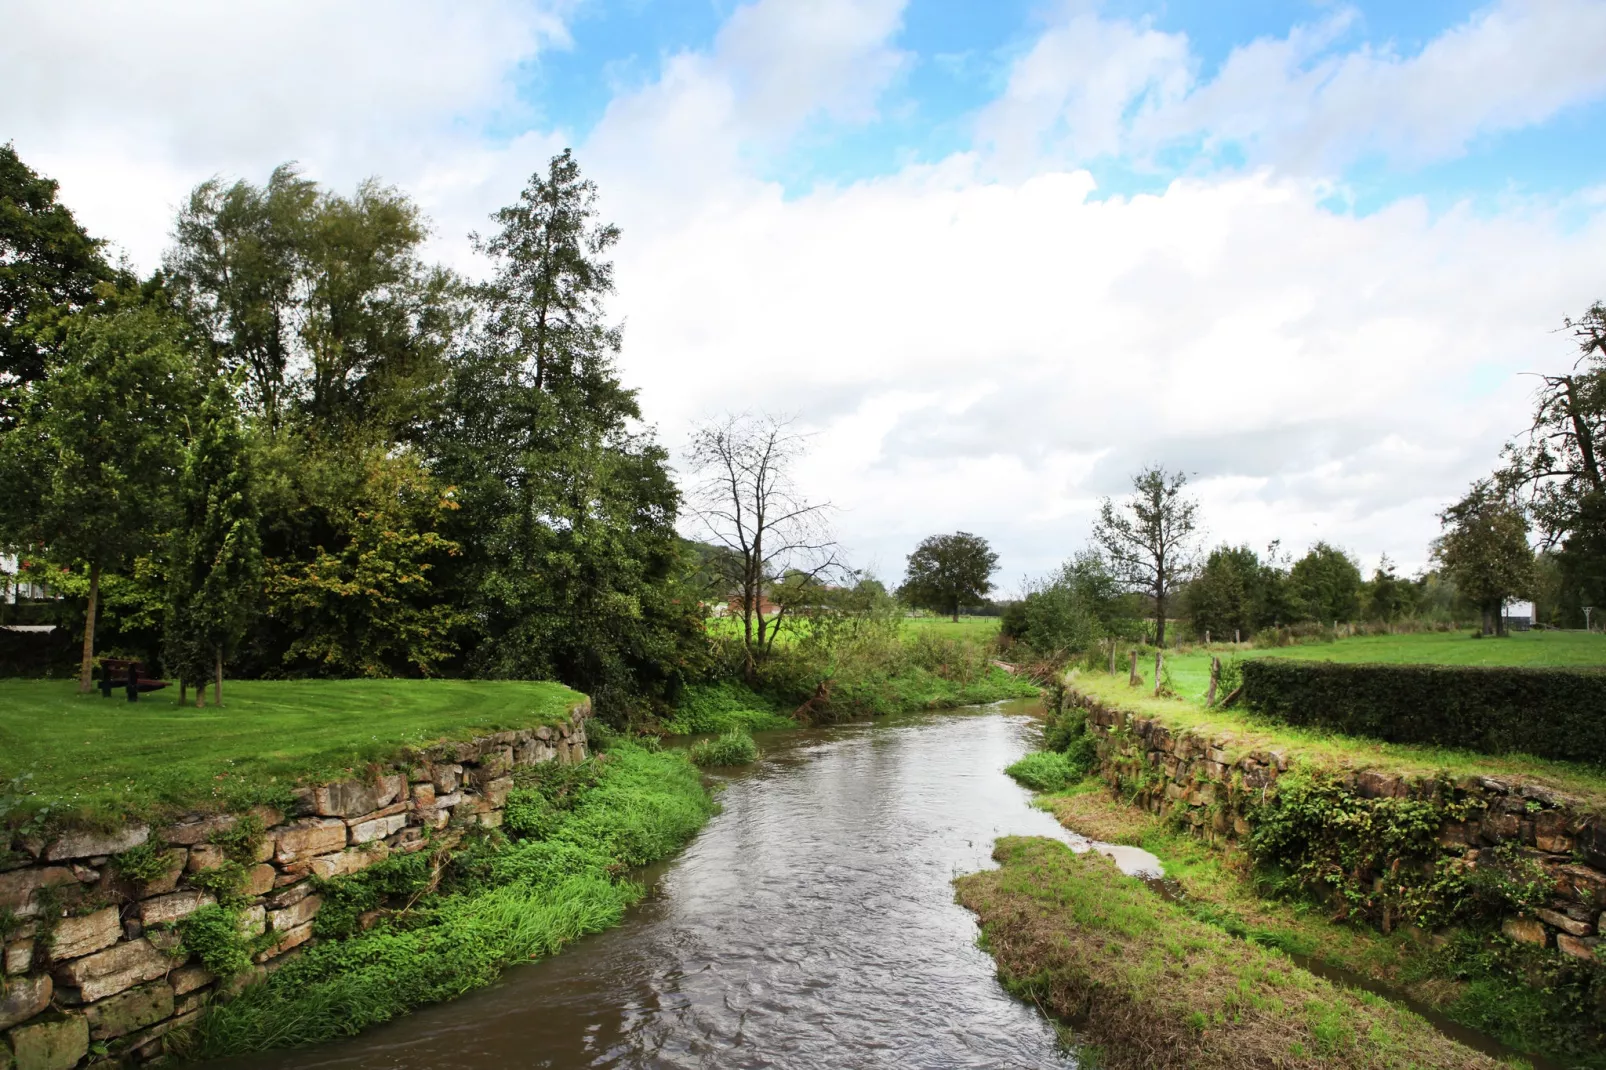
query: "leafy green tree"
216, 569
1388, 596
91, 465
947, 572
1224, 598
1055, 617
1484, 549
48, 265
1327, 584
1151, 538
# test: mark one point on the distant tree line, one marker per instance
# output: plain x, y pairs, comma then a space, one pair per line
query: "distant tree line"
301, 449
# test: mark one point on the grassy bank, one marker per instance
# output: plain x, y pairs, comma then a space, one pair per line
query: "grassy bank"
448, 926
1149, 985
97, 758
1242, 732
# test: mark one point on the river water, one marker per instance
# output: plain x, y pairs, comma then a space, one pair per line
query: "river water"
811, 924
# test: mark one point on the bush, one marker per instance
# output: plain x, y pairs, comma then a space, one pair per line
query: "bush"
1047, 770
723, 707
733, 748
1551, 713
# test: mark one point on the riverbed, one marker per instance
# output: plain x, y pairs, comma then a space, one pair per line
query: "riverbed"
811, 924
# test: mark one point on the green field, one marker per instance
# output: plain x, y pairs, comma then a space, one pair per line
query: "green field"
105, 757
978, 628
1190, 667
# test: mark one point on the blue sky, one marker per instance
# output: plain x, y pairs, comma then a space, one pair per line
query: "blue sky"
994, 256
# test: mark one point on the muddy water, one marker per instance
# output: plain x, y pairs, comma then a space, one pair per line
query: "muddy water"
811, 924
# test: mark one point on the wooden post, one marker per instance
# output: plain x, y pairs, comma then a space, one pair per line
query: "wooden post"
1207, 637
1235, 639
1157, 663
1132, 671
1112, 657
1215, 677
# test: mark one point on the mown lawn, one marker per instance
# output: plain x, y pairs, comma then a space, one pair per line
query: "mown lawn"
101, 758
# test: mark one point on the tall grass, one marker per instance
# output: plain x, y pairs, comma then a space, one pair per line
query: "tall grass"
510, 900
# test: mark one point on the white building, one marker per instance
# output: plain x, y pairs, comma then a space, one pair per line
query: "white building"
1519, 616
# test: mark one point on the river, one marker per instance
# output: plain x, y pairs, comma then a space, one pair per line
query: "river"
811, 924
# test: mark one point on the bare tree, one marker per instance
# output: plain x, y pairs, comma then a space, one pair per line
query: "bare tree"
1152, 539
745, 496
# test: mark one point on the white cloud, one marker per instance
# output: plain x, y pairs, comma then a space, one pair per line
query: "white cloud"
1092, 86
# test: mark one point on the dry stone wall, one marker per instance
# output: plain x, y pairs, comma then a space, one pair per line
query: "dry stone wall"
92, 959
1191, 777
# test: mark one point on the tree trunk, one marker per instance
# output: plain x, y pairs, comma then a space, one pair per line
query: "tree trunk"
1215, 678
87, 667
956, 611
1157, 666
1488, 624
200, 693
217, 686
1132, 671
1159, 621
183, 690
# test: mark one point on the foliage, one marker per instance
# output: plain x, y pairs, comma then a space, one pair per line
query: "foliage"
1047, 770
946, 572
346, 899
240, 840
735, 747
1327, 584
1484, 550
145, 862
1150, 540
212, 934
722, 707
1066, 614
1481, 708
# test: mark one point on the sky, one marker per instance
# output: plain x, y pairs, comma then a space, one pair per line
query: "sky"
993, 257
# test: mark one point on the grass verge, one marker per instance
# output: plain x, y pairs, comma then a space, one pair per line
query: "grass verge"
1148, 985
723, 707
504, 899
82, 757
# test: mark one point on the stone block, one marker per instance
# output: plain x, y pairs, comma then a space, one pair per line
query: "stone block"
290, 896
545, 732
56, 1043
197, 828
189, 978
346, 798
351, 860
19, 956
385, 811
121, 1014
1564, 923
75, 937
423, 795
290, 938
491, 819
308, 837
1371, 784
1525, 931
497, 762
496, 791
447, 778
191, 1003
1499, 827
175, 906
173, 862
1578, 948
253, 921
378, 828
117, 969
23, 998
258, 880
19, 888
88, 844
205, 856
295, 915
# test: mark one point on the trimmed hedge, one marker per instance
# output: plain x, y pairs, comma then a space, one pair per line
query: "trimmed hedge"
1551, 713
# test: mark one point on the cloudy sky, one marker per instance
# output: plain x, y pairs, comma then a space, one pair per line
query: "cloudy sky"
995, 255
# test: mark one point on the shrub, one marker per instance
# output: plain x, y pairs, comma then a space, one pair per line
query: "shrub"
1047, 770
723, 707
1548, 712
733, 748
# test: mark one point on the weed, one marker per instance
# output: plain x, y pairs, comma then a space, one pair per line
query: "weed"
735, 747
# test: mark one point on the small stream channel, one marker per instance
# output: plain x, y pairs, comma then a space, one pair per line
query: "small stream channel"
811, 924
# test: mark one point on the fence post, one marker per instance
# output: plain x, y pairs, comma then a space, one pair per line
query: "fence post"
1157, 657
1207, 637
1112, 656
1235, 639
1215, 675
1132, 672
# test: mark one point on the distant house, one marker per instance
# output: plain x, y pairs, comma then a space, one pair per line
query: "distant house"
13, 587
1519, 616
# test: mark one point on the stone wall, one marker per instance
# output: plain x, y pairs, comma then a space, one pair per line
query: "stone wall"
93, 958
1191, 777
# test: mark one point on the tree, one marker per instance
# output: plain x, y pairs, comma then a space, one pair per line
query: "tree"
91, 465
949, 571
1388, 597
1223, 599
216, 568
48, 264
746, 498
1151, 539
1557, 466
1484, 550
1061, 614
1327, 584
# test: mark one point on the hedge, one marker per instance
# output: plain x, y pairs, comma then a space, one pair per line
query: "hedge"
1551, 713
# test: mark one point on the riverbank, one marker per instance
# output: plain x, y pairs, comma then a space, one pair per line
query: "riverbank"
1149, 986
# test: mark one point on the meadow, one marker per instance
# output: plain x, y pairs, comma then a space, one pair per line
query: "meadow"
106, 758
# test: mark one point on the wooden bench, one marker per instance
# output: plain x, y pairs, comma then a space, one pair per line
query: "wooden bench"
130, 673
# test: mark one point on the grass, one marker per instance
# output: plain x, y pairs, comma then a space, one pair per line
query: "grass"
85, 757
1217, 886
1148, 985
1242, 732
1047, 770
735, 747
980, 629
1189, 668
722, 707
505, 901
